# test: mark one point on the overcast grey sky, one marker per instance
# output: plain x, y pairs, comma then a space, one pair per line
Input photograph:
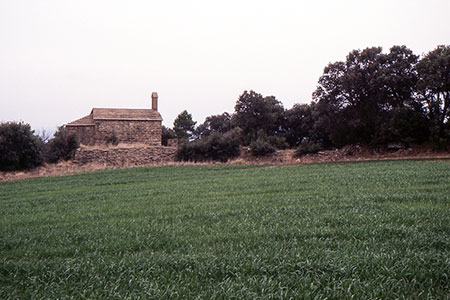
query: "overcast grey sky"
59, 59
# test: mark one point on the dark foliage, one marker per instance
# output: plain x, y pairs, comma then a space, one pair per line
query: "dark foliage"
261, 147
215, 147
297, 123
62, 146
216, 123
184, 126
434, 91
372, 98
253, 113
308, 147
19, 148
167, 134
403, 125
279, 142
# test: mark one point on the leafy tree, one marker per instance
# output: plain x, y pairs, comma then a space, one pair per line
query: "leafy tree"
398, 78
404, 125
297, 124
167, 133
434, 90
184, 126
351, 89
254, 112
19, 147
216, 123
63, 146
354, 96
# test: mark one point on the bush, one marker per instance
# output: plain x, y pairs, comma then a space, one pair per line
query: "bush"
19, 147
62, 146
221, 147
307, 147
167, 134
261, 147
216, 147
190, 151
279, 142
402, 125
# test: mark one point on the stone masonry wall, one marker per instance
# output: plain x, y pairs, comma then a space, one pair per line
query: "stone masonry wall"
126, 156
85, 134
130, 132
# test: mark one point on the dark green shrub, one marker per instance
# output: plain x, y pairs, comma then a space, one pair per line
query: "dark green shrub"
279, 142
215, 147
308, 147
62, 146
260, 147
19, 147
402, 125
221, 147
191, 151
167, 134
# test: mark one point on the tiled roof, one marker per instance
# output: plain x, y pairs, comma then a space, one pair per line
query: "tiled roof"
125, 114
117, 114
84, 121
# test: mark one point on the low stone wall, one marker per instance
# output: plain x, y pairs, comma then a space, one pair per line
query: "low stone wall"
126, 156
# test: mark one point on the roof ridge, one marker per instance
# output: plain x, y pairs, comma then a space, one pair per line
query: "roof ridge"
129, 114
86, 120
118, 108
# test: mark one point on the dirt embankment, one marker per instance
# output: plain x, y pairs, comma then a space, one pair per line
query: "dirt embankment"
281, 157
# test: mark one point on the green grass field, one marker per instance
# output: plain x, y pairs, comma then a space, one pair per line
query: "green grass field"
321, 231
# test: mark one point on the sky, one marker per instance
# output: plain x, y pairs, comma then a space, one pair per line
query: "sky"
60, 58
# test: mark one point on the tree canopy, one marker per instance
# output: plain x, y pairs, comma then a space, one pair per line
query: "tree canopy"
371, 97
434, 90
365, 92
254, 113
19, 147
184, 126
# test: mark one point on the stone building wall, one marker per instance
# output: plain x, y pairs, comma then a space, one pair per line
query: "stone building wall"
126, 156
85, 134
129, 132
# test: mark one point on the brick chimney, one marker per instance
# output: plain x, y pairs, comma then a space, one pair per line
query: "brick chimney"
155, 101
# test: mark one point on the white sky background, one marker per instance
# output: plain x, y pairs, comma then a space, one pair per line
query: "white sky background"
59, 59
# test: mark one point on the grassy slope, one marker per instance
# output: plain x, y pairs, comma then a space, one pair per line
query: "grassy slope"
368, 230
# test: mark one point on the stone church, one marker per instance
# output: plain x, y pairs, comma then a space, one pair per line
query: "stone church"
128, 126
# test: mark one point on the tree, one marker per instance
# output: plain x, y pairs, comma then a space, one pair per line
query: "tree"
216, 123
253, 112
184, 126
62, 146
19, 147
399, 78
356, 95
434, 89
166, 134
404, 125
351, 89
297, 124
